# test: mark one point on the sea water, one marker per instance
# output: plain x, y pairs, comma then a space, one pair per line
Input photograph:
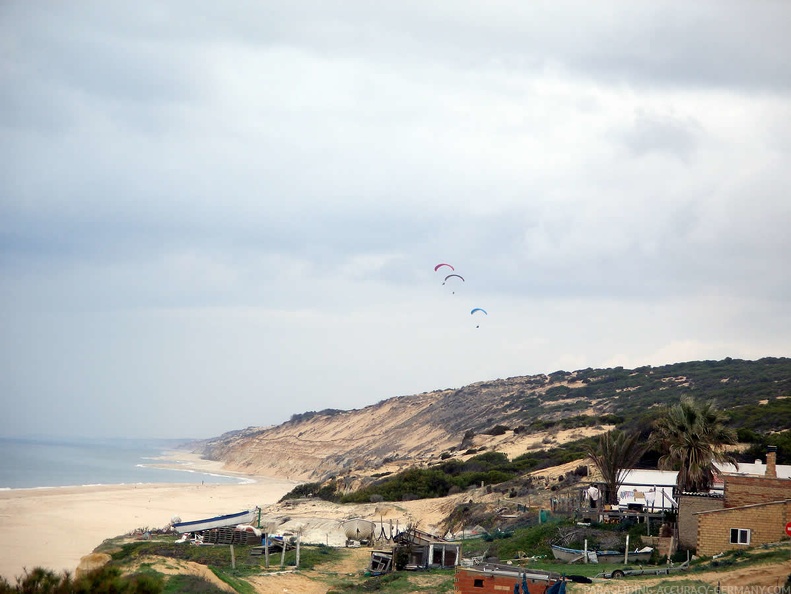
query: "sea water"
30, 463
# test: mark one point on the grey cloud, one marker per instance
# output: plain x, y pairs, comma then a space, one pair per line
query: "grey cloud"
662, 133
210, 198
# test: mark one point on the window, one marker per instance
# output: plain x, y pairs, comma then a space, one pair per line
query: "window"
740, 536
477, 584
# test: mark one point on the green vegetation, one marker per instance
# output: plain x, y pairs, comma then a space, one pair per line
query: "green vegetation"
730, 560
220, 556
534, 542
781, 440
570, 451
234, 582
613, 453
399, 582
421, 483
217, 559
754, 397
572, 422
692, 436
762, 418
327, 412
326, 491
147, 580
177, 584
107, 579
732, 383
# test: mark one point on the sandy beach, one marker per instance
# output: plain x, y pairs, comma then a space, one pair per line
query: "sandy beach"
55, 527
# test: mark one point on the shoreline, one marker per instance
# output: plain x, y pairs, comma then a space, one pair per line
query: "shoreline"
174, 460
54, 527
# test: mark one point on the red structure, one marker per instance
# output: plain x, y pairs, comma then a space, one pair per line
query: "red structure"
495, 578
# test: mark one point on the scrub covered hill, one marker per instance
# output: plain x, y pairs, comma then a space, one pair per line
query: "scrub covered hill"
515, 416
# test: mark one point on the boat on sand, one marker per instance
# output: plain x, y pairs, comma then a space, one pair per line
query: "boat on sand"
243, 517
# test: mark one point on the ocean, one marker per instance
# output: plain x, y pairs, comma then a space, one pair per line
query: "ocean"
31, 463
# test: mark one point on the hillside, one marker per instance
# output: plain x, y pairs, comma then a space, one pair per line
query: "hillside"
514, 416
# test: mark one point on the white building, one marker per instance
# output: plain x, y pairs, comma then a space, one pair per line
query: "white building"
651, 489
640, 485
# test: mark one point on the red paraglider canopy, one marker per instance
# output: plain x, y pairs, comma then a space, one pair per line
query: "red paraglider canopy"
438, 266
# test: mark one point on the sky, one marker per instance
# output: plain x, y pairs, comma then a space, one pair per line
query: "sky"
216, 215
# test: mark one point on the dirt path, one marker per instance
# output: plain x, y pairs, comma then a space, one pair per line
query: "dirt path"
181, 567
313, 581
762, 578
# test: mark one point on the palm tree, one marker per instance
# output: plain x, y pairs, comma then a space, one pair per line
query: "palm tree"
613, 453
691, 437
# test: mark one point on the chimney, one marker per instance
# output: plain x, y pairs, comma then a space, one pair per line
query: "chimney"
771, 461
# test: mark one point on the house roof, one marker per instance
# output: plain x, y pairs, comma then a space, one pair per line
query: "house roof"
660, 478
738, 507
717, 495
650, 477
756, 468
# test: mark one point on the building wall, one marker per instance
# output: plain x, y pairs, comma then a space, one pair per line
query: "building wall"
662, 544
745, 490
765, 521
688, 507
472, 582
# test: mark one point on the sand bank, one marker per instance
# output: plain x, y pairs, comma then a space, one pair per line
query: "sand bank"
55, 527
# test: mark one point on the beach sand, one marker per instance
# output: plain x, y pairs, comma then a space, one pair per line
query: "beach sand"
54, 527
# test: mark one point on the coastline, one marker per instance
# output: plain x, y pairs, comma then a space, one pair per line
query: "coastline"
53, 527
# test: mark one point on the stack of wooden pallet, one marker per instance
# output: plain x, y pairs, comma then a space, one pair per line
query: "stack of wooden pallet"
230, 536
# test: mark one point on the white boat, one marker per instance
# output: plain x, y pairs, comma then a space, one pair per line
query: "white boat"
243, 517
573, 555
637, 556
358, 529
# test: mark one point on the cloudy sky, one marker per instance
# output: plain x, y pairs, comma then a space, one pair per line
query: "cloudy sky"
218, 214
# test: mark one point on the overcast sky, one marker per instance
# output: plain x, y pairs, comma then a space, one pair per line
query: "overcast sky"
219, 214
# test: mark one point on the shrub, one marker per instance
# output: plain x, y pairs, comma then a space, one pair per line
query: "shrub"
104, 579
327, 492
466, 441
610, 419
192, 584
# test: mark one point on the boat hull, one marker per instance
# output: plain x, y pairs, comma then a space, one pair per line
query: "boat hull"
244, 517
574, 555
616, 557
358, 529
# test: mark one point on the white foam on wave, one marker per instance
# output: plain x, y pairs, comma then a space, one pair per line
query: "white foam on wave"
242, 480
81, 486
